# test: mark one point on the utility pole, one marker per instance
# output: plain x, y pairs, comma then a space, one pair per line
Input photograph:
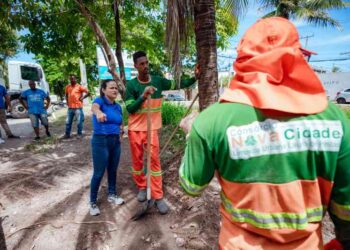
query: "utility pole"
306, 39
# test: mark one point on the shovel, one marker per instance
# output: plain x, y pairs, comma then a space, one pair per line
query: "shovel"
149, 203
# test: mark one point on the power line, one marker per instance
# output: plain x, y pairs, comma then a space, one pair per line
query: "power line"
331, 60
306, 39
229, 57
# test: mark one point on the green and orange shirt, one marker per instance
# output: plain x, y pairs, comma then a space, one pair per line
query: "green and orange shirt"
278, 175
137, 107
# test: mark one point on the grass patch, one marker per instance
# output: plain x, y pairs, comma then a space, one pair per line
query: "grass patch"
60, 120
177, 143
42, 146
171, 113
171, 117
345, 109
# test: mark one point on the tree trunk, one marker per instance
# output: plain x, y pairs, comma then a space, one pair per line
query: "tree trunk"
118, 41
188, 94
205, 31
103, 41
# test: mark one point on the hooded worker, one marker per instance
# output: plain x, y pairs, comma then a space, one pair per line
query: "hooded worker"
280, 151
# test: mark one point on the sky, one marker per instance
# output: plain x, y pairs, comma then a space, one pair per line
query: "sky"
327, 42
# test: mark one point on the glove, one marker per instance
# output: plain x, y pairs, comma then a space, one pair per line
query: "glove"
333, 245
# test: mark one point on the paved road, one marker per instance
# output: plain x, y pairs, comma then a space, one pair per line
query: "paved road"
23, 128
19, 127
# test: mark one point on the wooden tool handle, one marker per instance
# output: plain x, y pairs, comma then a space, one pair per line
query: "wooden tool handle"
149, 134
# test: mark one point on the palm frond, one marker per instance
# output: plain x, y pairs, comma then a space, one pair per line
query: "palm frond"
313, 11
178, 24
270, 14
323, 20
316, 17
236, 8
324, 4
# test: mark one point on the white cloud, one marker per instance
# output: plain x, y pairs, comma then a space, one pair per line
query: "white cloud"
299, 23
335, 40
341, 39
228, 52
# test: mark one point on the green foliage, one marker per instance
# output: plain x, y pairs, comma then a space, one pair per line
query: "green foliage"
313, 11
347, 112
59, 35
9, 42
171, 117
142, 28
57, 73
226, 24
172, 113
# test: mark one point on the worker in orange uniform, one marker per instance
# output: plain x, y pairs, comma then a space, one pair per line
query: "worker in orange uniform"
280, 150
137, 91
75, 94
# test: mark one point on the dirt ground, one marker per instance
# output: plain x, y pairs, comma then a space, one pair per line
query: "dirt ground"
44, 189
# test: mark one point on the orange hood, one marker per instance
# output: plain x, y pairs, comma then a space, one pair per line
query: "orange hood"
271, 72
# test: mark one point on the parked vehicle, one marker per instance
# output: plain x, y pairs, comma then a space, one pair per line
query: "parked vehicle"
57, 105
334, 82
19, 74
174, 97
343, 96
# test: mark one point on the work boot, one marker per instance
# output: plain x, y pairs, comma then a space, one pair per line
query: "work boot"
13, 137
162, 206
48, 134
37, 138
115, 199
142, 195
66, 136
94, 210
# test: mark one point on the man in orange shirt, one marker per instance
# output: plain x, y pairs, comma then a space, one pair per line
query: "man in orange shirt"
75, 96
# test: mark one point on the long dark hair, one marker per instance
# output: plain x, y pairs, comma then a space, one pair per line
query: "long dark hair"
104, 86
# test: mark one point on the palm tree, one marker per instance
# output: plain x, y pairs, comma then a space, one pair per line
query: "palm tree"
313, 11
181, 16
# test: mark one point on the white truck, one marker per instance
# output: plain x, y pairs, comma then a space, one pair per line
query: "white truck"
19, 74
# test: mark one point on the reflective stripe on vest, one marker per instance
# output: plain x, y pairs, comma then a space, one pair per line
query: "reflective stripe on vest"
273, 220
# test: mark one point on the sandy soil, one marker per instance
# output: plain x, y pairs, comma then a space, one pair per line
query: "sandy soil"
44, 191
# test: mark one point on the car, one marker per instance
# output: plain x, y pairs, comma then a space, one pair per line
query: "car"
343, 96
174, 97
